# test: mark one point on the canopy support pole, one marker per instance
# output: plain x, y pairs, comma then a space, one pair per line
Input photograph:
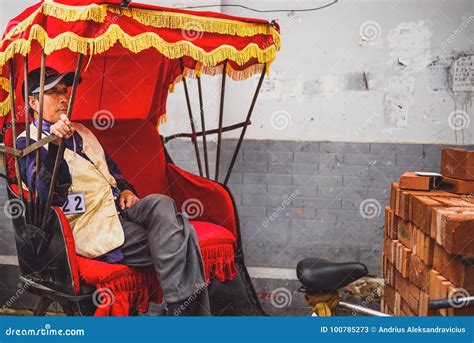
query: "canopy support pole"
40, 131
60, 155
221, 117
191, 119
27, 124
203, 125
244, 129
12, 100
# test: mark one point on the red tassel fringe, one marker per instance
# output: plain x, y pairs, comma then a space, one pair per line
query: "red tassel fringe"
219, 262
137, 288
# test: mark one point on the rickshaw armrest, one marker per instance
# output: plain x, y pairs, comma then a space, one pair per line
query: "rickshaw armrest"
203, 199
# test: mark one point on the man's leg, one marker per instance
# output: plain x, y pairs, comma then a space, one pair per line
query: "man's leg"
174, 251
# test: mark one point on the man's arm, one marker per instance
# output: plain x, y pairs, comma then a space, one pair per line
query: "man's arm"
48, 157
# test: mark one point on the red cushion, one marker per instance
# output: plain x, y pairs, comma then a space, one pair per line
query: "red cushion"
212, 234
217, 249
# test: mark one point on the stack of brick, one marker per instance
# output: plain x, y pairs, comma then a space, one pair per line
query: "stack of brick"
429, 239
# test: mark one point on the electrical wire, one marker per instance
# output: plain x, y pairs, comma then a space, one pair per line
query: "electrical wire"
262, 11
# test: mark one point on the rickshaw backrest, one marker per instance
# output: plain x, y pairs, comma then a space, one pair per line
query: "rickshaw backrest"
135, 146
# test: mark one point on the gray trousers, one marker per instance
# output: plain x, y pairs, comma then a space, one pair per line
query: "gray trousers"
156, 234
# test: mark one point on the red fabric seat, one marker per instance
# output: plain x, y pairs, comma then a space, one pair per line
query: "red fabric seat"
216, 225
217, 248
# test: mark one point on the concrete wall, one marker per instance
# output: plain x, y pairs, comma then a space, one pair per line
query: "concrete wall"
357, 71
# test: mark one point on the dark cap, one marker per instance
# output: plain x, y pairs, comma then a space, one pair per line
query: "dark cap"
52, 78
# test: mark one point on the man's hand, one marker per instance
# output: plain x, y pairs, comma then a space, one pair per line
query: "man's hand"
127, 199
61, 129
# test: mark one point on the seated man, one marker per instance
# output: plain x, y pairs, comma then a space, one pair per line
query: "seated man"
109, 221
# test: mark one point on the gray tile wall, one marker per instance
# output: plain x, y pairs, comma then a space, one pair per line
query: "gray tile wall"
303, 199
325, 199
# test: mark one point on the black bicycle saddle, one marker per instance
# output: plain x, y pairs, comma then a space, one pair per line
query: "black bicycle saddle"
321, 276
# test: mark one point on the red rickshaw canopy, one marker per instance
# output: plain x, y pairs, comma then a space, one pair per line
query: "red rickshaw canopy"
132, 56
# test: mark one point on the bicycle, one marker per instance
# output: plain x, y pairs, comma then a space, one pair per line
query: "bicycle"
321, 281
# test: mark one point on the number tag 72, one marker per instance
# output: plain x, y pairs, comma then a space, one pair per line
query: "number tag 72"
74, 204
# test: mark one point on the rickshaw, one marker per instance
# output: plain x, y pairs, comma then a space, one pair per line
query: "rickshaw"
128, 56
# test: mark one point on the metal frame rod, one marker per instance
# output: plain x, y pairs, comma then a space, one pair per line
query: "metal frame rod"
12, 100
27, 123
203, 125
221, 117
244, 129
40, 131
207, 132
191, 120
451, 302
363, 310
60, 154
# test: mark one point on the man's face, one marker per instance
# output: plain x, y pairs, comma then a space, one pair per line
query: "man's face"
56, 101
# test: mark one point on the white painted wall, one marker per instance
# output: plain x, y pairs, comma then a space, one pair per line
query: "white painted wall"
317, 91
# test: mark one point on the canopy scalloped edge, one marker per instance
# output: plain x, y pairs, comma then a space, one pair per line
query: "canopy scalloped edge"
135, 44
158, 19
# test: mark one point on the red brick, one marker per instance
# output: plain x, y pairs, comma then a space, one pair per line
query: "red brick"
457, 163
454, 229
419, 273
457, 186
405, 233
453, 201
411, 180
393, 195
421, 209
423, 246
408, 291
456, 269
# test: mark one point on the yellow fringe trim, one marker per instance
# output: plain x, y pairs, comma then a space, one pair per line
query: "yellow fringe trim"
158, 19
66, 13
5, 105
162, 119
173, 20
136, 44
